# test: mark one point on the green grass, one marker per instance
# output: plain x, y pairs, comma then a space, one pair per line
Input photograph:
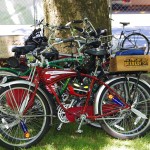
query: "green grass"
91, 139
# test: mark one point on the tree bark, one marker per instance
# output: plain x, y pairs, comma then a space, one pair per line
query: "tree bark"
62, 11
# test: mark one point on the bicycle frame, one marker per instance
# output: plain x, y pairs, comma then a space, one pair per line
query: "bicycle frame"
50, 77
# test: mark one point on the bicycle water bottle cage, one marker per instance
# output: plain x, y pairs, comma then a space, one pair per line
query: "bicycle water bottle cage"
130, 52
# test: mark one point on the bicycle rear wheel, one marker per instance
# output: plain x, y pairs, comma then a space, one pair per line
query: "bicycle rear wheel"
137, 41
126, 124
22, 129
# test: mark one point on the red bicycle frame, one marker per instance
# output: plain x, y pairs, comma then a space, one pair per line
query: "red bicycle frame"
49, 77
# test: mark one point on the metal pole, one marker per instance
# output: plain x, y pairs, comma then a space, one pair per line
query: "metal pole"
35, 12
110, 8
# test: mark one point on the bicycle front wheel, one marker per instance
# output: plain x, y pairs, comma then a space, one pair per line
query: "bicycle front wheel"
21, 125
137, 41
126, 123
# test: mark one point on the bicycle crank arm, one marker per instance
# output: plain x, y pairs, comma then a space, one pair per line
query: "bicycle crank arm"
109, 118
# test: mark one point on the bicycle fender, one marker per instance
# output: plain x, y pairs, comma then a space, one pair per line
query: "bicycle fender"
98, 95
99, 92
10, 78
21, 81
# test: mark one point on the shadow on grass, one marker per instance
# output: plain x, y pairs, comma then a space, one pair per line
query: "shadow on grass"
91, 139
67, 138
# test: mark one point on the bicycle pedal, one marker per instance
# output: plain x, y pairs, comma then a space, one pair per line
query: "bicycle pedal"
79, 131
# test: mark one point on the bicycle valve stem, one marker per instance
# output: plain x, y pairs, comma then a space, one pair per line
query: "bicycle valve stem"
25, 130
115, 100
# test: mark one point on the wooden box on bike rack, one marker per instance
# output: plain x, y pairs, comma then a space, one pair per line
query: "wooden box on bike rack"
130, 63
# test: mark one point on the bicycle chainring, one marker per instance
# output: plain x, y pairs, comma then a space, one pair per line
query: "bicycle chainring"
62, 114
75, 112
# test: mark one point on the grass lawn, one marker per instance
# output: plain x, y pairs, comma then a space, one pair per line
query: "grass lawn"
91, 139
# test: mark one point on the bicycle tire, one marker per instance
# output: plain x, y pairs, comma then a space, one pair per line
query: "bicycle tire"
136, 40
12, 136
130, 125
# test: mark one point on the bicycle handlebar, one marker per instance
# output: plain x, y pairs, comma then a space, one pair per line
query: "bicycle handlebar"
41, 50
79, 29
68, 40
61, 27
77, 21
74, 21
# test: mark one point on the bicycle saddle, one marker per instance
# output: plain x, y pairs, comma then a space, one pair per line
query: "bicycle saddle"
22, 50
96, 52
124, 23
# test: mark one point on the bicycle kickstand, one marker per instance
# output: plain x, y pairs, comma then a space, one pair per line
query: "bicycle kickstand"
60, 126
83, 117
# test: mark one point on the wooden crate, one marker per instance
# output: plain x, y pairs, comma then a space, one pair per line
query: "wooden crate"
130, 63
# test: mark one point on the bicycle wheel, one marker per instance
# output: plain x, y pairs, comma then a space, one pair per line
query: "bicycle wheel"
18, 128
126, 123
136, 40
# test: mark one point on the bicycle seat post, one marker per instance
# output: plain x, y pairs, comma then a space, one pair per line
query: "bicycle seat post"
124, 24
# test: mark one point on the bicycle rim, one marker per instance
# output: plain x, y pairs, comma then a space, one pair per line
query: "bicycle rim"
136, 41
126, 124
34, 119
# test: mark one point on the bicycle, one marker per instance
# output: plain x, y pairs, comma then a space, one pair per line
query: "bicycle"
40, 41
121, 105
134, 40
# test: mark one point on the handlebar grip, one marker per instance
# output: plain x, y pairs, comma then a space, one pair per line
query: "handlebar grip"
68, 40
79, 29
63, 27
77, 21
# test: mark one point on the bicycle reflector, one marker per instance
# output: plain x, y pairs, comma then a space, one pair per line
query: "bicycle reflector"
25, 130
115, 100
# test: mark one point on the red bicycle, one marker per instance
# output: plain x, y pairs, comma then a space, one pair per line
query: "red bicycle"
120, 105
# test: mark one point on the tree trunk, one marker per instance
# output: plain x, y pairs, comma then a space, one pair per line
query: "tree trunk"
62, 11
